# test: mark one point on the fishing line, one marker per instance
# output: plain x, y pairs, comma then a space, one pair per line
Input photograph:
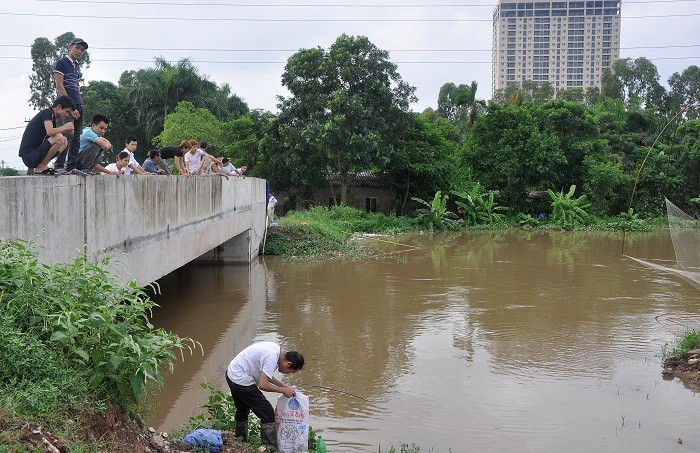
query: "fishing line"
336, 390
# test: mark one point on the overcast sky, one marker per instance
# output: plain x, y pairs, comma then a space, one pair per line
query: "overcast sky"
246, 43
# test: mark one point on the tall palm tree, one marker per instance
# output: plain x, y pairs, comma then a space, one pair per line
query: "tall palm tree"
157, 91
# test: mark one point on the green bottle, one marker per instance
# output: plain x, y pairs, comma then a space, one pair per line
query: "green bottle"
320, 445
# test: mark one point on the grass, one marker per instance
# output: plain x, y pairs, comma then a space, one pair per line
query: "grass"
688, 342
322, 233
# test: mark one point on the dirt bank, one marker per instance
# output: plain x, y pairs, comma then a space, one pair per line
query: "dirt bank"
113, 431
686, 368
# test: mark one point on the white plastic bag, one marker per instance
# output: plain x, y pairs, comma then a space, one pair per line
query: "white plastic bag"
292, 415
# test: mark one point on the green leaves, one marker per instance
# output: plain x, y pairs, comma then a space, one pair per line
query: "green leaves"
435, 215
568, 211
187, 122
83, 314
343, 105
479, 208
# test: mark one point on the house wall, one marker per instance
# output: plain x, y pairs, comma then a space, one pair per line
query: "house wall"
356, 197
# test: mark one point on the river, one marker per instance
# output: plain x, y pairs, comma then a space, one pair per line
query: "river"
517, 340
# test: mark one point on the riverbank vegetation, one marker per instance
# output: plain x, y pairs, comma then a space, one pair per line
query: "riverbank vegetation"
682, 360
688, 342
76, 345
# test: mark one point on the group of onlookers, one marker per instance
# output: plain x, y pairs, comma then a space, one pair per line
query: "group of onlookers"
80, 152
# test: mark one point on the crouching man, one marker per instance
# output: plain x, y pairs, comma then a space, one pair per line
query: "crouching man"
92, 145
250, 372
42, 140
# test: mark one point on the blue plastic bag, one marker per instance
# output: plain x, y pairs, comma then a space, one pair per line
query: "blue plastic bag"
205, 438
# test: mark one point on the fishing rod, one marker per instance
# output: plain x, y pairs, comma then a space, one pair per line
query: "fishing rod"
336, 390
675, 117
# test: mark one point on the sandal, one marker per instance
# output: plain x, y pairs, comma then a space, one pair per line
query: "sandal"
46, 172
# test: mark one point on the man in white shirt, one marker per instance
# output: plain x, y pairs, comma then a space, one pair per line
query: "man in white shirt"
194, 158
130, 147
119, 166
227, 167
241, 171
252, 371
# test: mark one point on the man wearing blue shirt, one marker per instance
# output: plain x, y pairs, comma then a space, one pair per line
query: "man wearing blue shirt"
152, 164
92, 145
67, 76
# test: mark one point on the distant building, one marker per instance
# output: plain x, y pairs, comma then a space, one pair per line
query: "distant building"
567, 44
367, 191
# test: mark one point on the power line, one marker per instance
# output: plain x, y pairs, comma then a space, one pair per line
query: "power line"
175, 49
563, 60
315, 5
9, 128
237, 19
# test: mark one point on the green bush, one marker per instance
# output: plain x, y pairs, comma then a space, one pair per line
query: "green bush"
79, 312
568, 211
435, 215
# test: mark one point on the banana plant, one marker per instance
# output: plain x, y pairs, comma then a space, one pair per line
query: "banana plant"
479, 208
568, 211
435, 215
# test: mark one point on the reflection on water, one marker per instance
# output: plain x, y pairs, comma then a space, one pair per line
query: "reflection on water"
482, 341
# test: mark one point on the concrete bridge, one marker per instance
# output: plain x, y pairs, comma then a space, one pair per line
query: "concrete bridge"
147, 225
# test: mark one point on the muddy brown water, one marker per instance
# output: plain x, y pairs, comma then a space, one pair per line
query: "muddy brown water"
480, 341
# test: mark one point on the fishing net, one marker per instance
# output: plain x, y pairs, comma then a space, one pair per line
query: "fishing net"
685, 235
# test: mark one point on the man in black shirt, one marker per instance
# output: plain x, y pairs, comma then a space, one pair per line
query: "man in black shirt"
42, 140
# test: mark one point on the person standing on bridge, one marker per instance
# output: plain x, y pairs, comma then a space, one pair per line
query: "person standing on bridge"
42, 140
67, 77
252, 371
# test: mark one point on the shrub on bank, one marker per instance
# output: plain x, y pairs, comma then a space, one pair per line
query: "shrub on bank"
688, 342
72, 333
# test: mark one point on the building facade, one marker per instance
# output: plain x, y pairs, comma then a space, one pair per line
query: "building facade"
567, 44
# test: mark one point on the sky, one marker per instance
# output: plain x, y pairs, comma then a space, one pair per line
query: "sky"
246, 43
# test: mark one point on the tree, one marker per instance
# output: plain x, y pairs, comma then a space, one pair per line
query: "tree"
41, 81
157, 91
189, 122
685, 92
527, 90
635, 82
458, 103
242, 137
571, 94
511, 151
537, 91
424, 159
342, 106
8, 171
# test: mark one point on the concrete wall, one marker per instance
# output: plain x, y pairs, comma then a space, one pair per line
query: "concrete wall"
148, 225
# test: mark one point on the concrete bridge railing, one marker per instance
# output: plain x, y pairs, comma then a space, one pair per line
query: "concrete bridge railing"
148, 225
